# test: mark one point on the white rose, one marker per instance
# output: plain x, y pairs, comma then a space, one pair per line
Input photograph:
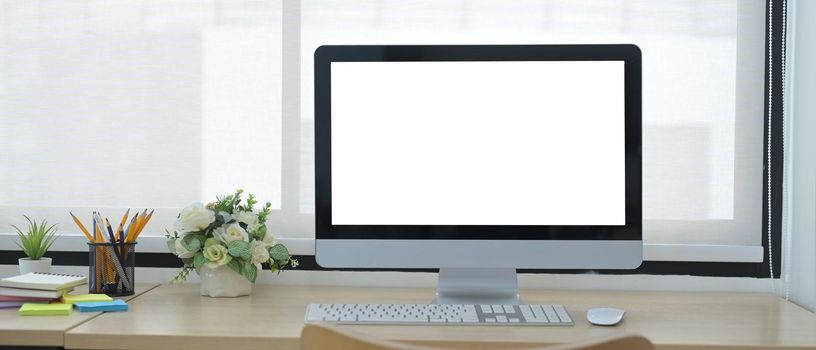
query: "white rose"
182, 252
194, 218
231, 233
246, 217
268, 239
260, 254
216, 255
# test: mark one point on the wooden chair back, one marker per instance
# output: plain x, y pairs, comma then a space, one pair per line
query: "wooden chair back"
332, 337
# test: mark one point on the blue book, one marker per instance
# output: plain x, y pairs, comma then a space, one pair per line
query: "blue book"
97, 306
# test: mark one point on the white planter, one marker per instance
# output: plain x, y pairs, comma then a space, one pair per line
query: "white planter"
41, 265
223, 282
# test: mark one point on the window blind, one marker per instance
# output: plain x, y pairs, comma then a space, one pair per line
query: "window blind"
703, 83
107, 106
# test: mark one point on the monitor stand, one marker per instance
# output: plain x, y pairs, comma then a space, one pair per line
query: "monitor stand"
492, 286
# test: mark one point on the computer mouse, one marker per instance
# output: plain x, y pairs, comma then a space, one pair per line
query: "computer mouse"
605, 316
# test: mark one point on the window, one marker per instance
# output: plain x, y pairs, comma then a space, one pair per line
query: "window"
184, 100
138, 104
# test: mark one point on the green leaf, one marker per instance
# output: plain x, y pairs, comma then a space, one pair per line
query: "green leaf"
250, 272
224, 216
187, 261
192, 242
171, 245
199, 260
235, 266
279, 252
264, 213
251, 201
182, 275
261, 232
240, 249
216, 223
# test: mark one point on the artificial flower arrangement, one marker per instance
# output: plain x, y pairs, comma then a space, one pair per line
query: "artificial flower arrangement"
226, 233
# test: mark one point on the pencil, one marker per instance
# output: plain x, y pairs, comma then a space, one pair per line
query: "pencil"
109, 270
110, 231
122, 224
105, 262
139, 225
132, 227
144, 223
98, 221
82, 227
96, 233
98, 259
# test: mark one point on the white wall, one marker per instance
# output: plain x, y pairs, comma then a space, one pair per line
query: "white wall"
800, 270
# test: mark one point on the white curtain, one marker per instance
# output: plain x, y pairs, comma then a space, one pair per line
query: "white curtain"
115, 105
138, 104
799, 223
703, 88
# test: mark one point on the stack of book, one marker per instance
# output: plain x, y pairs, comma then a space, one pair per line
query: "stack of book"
35, 287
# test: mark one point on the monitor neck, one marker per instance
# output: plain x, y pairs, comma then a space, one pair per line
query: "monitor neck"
491, 286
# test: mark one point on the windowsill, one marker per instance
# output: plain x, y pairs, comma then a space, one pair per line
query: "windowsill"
305, 246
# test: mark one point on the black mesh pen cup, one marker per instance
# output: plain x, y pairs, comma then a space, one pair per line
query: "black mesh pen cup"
111, 268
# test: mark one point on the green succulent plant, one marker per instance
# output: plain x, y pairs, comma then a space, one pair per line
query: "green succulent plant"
37, 239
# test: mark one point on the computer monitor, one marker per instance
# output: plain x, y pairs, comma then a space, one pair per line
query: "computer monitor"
478, 159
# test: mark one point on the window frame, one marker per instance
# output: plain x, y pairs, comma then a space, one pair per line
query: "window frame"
666, 259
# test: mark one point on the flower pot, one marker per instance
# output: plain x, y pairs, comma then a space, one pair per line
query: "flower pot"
222, 282
40, 265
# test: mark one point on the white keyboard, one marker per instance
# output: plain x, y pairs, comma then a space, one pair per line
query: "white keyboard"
451, 314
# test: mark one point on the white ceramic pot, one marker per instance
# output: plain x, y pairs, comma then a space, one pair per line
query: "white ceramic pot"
223, 282
40, 265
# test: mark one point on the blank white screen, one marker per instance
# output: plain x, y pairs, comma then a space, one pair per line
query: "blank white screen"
478, 143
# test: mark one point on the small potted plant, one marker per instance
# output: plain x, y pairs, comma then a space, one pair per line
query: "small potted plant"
35, 242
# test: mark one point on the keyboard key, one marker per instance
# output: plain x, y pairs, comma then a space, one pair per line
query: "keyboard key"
551, 315
486, 309
538, 312
527, 312
498, 309
562, 313
508, 309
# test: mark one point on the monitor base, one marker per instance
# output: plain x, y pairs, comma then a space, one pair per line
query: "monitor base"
492, 286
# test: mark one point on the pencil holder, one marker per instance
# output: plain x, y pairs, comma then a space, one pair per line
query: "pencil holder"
111, 268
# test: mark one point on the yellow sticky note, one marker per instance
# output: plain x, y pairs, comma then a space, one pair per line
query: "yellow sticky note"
81, 298
33, 309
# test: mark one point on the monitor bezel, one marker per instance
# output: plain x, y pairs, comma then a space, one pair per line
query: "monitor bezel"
628, 53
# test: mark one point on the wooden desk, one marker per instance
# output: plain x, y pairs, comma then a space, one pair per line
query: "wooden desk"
47, 330
174, 316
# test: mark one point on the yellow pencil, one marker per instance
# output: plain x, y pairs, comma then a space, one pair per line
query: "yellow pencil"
132, 228
82, 227
131, 225
144, 217
122, 224
144, 223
